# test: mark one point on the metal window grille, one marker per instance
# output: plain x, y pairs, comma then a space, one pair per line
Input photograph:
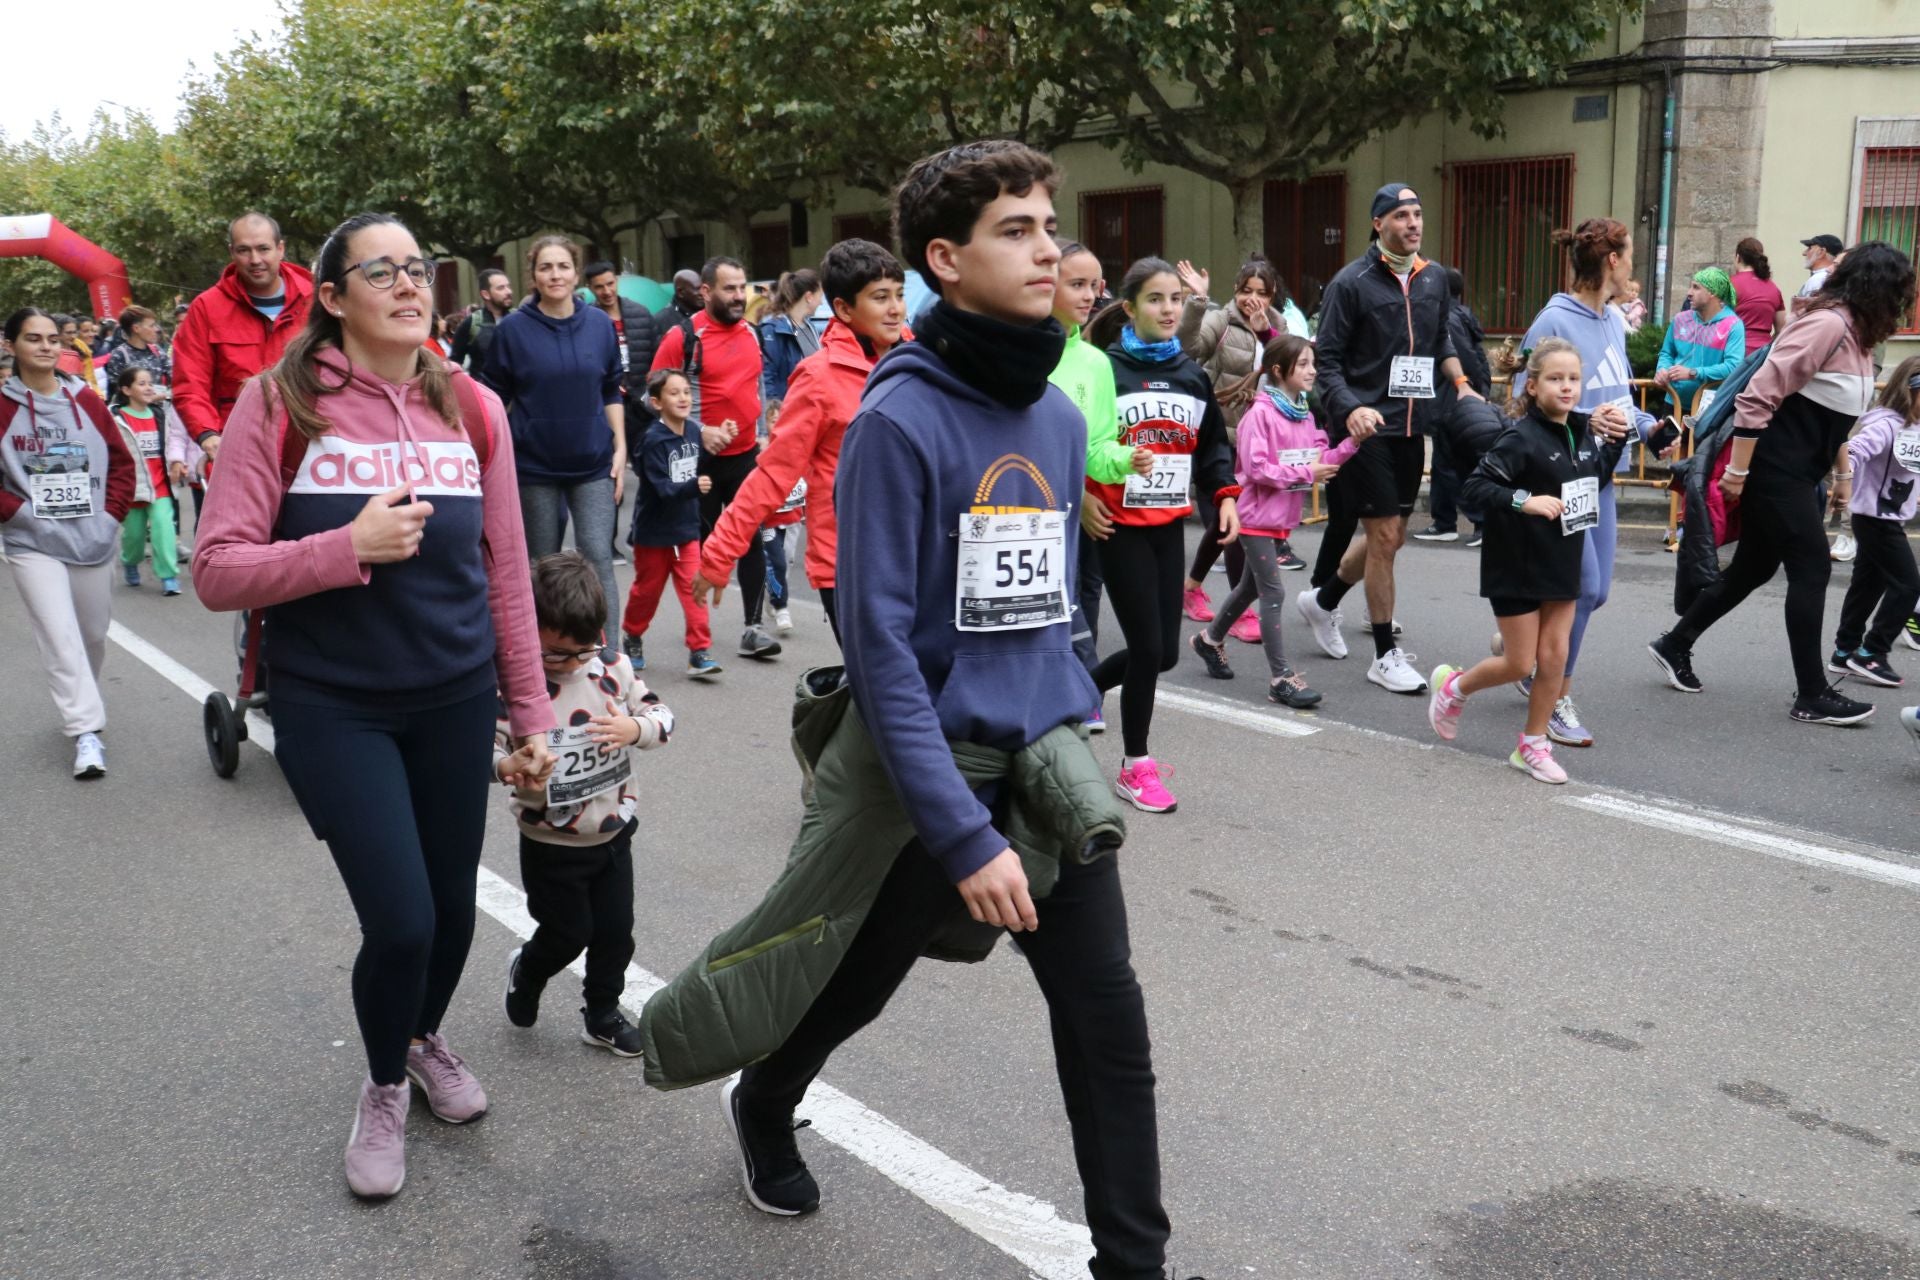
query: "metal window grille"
1503, 216
1122, 226
1890, 205
1306, 233
877, 227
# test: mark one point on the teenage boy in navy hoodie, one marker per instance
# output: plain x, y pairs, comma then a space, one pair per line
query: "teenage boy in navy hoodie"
961, 424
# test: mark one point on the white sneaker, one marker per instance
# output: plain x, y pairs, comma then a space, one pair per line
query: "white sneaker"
89, 757
1366, 622
783, 620
1843, 548
1394, 672
1325, 625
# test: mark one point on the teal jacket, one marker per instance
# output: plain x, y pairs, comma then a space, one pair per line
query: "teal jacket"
749, 989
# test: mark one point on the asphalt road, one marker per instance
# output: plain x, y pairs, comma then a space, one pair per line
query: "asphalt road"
1414, 1015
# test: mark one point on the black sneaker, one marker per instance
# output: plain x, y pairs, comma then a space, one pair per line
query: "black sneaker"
635, 649
611, 1031
1478, 536
1874, 669
771, 1170
1289, 690
1837, 662
1284, 557
1434, 533
523, 1001
1829, 707
756, 643
1213, 657
1677, 663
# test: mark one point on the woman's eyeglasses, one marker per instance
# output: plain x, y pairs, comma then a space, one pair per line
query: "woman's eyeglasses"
382, 273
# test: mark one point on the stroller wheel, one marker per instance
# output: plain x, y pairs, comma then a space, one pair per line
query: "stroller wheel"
224, 733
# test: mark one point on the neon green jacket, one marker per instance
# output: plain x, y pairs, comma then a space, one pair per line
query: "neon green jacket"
1086, 375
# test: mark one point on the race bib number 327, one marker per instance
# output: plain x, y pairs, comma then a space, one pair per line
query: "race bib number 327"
1013, 571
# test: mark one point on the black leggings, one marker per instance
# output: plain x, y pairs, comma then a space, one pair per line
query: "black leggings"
729, 472
1210, 546
1143, 565
1778, 527
1081, 959
1343, 521
400, 797
1883, 574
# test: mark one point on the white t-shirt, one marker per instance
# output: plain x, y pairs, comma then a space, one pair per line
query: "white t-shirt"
1814, 283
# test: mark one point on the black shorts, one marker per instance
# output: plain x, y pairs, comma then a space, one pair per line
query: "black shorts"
1383, 477
1512, 606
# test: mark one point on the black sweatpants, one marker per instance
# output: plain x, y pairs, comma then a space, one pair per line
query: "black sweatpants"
1884, 574
1210, 545
581, 896
729, 472
1087, 592
400, 797
1780, 526
1145, 568
1343, 521
1081, 958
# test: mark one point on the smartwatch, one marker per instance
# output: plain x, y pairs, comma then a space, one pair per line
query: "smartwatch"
1520, 497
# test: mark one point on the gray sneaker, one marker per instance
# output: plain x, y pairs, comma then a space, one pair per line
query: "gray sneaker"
452, 1092
377, 1148
756, 643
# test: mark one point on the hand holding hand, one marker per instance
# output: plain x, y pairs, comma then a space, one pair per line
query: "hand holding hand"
714, 439
211, 446
1610, 420
1325, 471
177, 472
1363, 422
704, 484
705, 592
389, 527
996, 894
1545, 505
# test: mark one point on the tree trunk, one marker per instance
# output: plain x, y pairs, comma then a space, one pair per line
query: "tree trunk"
1249, 217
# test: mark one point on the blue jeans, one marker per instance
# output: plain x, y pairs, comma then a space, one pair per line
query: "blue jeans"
774, 543
544, 509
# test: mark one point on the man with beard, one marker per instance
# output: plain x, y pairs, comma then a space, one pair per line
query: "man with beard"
720, 354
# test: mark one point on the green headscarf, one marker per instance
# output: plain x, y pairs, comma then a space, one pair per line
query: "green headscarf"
1716, 282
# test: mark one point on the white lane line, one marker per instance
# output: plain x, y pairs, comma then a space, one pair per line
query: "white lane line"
1886, 870
1235, 714
1030, 1231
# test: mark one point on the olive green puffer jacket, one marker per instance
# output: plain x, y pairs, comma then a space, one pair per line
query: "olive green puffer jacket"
747, 991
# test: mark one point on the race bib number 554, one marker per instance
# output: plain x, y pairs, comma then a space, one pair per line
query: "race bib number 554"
1013, 571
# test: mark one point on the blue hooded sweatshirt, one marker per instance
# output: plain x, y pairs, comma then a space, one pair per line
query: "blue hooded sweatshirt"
557, 377
924, 450
1601, 338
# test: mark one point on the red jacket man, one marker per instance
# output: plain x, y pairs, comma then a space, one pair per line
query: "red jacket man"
227, 337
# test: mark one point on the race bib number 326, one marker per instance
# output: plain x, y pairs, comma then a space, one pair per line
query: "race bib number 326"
1013, 571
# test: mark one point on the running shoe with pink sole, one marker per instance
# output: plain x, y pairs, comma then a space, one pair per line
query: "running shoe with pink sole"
1140, 787
1246, 628
1537, 762
1194, 601
1445, 706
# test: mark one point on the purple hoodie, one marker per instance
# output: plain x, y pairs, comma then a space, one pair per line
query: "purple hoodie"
1883, 486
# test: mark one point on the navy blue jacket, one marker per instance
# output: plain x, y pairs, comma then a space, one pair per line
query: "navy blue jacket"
666, 505
924, 450
557, 377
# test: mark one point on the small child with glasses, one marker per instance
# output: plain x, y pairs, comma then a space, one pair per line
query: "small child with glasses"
576, 831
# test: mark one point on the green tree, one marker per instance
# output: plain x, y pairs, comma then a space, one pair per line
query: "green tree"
1243, 92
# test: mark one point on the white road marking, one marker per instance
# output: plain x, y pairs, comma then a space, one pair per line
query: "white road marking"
1887, 869
1030, 1231
1234, 713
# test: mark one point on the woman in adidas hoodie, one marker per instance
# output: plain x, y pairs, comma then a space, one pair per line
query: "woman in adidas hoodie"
399, 618
1165, 404
1602, 253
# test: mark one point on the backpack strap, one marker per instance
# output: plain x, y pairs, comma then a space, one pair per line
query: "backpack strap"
473, 420
690, 358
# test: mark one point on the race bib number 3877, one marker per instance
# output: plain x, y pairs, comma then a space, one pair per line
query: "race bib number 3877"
1013, 571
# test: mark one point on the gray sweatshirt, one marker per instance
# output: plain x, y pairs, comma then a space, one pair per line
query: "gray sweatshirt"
56, 432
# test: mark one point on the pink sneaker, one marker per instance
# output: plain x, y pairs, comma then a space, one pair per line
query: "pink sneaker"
1140, 787
1444, 708
1246, 628
1195, 602
452, 1092
1536, 761
377, 1149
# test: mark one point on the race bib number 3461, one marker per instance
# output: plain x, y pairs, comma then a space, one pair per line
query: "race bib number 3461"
1013, 571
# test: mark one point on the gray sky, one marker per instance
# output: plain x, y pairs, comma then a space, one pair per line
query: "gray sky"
75, 58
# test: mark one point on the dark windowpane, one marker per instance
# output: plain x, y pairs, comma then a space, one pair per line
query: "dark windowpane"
1504, 213
1121, 227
